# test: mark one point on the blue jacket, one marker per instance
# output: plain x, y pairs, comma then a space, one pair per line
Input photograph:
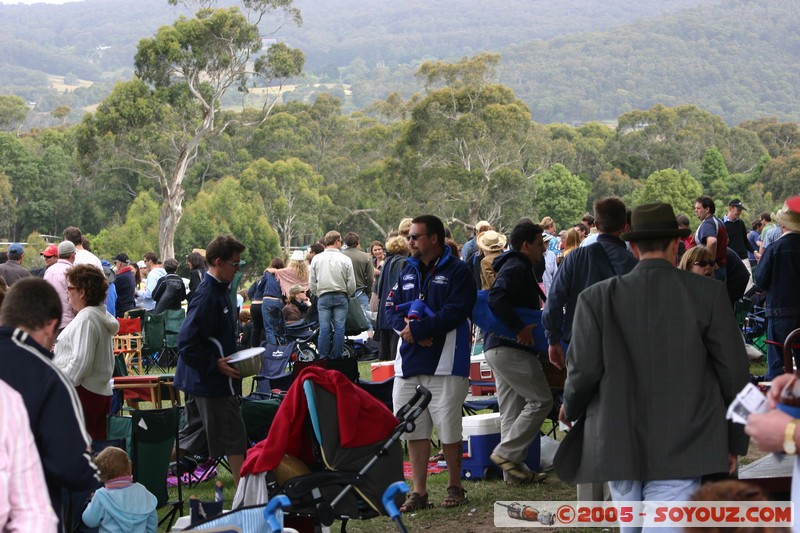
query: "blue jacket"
778, 273
207, 334
54, 412
450, 293
128, 510
582, 268
126, 291
514, 286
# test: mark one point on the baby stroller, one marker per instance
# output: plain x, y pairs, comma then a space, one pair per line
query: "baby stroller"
348, 443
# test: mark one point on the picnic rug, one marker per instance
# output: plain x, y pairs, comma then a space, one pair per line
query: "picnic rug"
433, 468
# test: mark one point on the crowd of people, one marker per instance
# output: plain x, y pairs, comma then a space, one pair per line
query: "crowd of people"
636, 308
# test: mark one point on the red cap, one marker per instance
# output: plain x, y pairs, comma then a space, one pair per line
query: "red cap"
50, 251
794, 203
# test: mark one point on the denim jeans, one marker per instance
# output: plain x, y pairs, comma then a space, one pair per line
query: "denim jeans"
657, 490
778, 328
332, 309
269, 319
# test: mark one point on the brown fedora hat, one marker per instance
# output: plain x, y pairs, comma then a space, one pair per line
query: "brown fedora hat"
654, 221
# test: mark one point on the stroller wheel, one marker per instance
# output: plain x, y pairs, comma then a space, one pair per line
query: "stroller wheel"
306, 355
348, 350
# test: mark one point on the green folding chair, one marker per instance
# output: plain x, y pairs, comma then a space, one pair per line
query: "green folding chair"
151, 436
154, 331
173, 320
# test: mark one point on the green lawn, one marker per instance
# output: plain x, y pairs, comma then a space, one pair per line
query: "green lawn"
476, 516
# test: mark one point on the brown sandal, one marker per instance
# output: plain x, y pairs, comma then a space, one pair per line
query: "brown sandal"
456, 497
415, 502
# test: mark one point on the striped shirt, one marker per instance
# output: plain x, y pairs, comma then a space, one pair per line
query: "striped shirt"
24, 501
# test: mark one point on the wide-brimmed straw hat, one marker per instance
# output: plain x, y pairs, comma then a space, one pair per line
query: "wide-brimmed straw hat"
789, 215
491, 241
654, 221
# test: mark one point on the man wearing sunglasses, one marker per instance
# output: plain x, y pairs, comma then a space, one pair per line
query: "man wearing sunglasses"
434, 351
205, 343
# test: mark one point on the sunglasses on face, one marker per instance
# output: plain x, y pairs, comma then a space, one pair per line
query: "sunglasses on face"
416, 236
235, 264
703, 263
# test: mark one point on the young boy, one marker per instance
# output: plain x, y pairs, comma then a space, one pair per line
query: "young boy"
122, 505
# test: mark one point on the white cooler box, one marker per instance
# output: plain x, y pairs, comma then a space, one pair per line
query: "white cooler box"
481, 433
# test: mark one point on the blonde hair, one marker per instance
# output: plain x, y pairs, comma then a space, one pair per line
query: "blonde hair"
397, 245
113, 462
695, 253
405, 226
300, 268
546, 222
573, 238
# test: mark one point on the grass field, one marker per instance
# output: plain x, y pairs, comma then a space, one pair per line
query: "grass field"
477, 516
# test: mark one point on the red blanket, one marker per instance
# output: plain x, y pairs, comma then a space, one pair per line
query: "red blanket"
363, 420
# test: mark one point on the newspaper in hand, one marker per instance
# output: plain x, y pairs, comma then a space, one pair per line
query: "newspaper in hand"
749, 400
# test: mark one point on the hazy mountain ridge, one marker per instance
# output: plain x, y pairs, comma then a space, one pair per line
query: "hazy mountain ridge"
571, 61
738, 59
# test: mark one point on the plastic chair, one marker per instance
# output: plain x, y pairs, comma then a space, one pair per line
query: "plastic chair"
151, 437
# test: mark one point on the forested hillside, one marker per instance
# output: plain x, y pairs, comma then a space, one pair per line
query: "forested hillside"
738, 59
372, 47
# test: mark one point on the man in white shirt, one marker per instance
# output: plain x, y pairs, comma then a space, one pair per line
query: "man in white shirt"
82, 255
154, 273
332, 280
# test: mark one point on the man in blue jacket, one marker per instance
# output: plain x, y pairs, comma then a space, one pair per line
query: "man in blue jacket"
434, 352
205, 343
29, 320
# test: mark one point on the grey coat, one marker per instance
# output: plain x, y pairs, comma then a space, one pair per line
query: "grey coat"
655, 359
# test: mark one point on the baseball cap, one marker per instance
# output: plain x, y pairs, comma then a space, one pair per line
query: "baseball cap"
50, 251
15, 248
737, 203
141, 264
122, 258
66, 247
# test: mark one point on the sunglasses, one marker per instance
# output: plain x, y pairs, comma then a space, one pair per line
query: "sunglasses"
235, 264
416, 236
703, 263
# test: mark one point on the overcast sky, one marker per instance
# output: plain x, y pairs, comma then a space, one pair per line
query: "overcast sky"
37, 1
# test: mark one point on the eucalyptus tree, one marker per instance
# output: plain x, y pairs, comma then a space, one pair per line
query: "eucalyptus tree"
175, 103
471, 141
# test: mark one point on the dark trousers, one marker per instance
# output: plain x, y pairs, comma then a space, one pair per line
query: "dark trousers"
258, 324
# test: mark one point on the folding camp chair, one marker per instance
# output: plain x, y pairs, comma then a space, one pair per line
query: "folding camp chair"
173, 320
151, 436
276, 370
136, 313
154, 335
258, 415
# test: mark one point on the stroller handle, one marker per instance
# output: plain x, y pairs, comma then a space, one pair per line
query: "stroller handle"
422, 396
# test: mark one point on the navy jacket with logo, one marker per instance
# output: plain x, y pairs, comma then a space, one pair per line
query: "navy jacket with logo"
450, 292
207, 334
